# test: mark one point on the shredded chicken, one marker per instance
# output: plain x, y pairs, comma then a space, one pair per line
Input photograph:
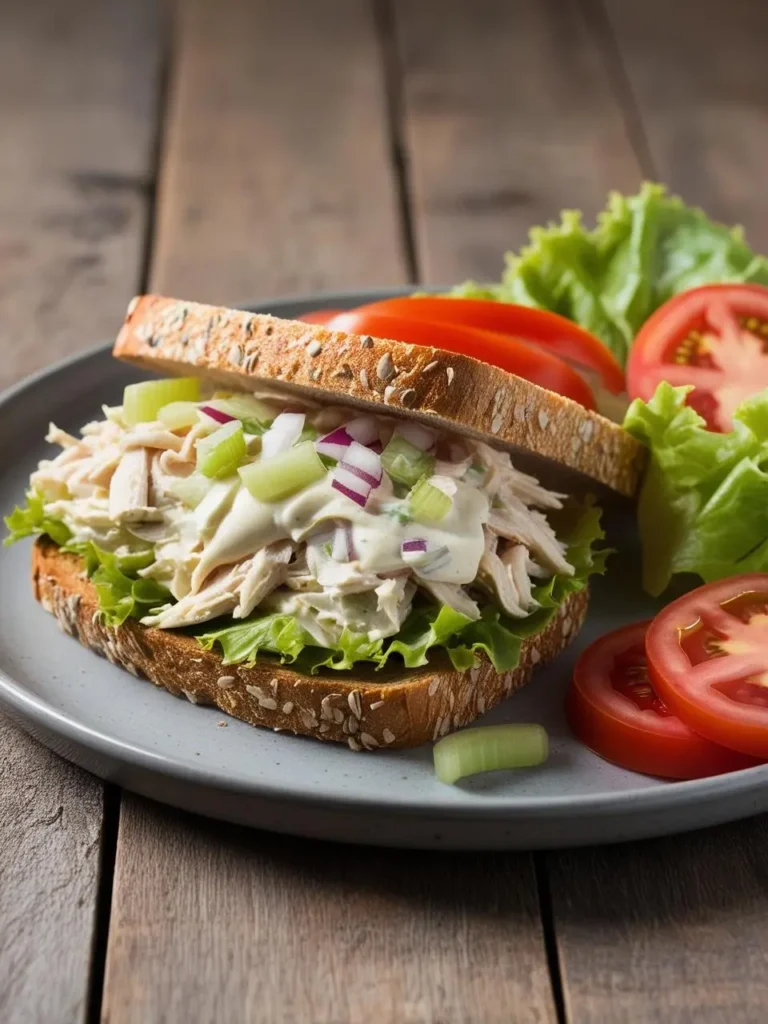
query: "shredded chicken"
231, 555
496, 578
268, 570
153, 436
218, 597
524, 525
129, 489
455, 597
515, 561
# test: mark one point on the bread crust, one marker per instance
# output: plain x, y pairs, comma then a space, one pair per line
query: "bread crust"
367, 712
450, 391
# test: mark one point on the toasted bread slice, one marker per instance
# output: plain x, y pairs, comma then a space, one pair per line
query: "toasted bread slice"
367, 711
447, 390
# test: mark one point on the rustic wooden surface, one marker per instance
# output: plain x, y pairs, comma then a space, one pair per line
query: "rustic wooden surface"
256, 148
78, 95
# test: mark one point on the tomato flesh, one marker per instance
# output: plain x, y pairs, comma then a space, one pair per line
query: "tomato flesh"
614, 709
548, 331
515, 357
715, 338
319, 316
708, 659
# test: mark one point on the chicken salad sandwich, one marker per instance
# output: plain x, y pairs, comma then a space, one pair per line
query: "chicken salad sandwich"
338, 535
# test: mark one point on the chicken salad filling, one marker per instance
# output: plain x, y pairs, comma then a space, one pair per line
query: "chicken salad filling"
301, 529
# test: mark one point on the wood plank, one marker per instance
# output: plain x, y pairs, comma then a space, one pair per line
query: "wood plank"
217, 923
696, 71
78, 88
78, 84
666, 931
508, 117
675, 930
293, 190
276, 177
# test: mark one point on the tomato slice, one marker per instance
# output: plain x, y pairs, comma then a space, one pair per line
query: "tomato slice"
553, 333
613, 709
319, 316
715, 338
533, 364
708, 658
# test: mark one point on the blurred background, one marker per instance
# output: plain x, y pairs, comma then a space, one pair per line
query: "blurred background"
229, 150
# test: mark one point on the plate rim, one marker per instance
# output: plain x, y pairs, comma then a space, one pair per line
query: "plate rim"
28, 708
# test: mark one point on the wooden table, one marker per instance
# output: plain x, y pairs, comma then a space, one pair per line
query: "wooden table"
255, 148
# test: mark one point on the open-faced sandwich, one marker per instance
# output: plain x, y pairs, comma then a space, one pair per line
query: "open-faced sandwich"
351, 538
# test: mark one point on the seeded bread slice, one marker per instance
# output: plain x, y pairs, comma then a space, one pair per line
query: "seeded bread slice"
364, 711
450, 391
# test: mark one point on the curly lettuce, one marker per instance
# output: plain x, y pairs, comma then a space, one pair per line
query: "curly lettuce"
703, 507
428, 627
122, 593
644, 249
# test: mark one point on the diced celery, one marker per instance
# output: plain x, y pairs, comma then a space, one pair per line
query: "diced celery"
177, 415
404, 462
190, 489
142, 402
284, 474
242, 406
488, 749
221, 453
428, 503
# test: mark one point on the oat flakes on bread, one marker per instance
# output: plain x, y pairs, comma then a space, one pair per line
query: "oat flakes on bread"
245, 350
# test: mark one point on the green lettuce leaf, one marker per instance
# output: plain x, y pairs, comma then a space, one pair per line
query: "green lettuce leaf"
427, 628
31, 520
703, 506
122, 594
645, 249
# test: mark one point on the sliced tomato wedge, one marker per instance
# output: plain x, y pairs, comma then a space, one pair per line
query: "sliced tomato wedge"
614, 710
533, 364
715, 338
708, 658
553, 333
319, 316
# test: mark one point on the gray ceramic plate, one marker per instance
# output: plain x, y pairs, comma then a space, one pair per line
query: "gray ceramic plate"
128, 732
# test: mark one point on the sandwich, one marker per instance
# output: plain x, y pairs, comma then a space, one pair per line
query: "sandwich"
339, 536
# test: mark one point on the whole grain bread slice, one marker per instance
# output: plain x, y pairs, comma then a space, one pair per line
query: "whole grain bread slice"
453, 392
364, 711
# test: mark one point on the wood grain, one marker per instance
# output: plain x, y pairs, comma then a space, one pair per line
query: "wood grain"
213, 923
78, 86
675, 930
276, 176
50, 832
508, 116
696, 71
666, 932
78, 90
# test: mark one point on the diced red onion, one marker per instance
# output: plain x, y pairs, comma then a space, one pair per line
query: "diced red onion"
284, 432
420, 437
363, 463
364, 430
343, 549
335, 444
417, 544
376, 446
415, 554
216, 414
350, 485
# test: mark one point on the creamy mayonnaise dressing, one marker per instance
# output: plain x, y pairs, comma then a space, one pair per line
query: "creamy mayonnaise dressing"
105, 492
